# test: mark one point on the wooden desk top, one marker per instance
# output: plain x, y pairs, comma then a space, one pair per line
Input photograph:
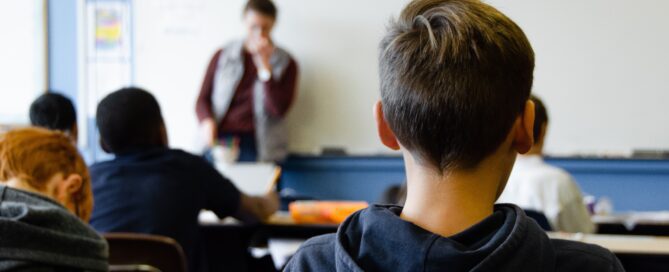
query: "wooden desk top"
282, 223
279, 219
631, 244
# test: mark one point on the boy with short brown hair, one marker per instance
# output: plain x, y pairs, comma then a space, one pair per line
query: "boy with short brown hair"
455, 85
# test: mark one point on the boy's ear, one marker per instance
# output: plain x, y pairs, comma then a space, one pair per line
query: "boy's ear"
386, 135
524, 135
71, 184
66, 192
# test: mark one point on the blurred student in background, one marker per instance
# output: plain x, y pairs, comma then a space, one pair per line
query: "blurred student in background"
248, 88
536, 185
150, 188
56, 112
45, 200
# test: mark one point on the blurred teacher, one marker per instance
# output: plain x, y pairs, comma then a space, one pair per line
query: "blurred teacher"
247, 90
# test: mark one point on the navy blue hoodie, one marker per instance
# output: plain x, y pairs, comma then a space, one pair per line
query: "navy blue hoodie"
376, 239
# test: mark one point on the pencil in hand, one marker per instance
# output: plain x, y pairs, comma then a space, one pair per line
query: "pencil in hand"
275, 179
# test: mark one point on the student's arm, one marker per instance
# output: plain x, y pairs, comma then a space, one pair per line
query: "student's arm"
279, 93
258, 207
573, 215
221, 196
224, 199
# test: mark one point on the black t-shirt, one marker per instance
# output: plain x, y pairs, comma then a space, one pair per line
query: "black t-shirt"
160, 191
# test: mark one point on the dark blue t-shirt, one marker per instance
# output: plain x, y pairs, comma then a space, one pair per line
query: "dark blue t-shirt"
160, 191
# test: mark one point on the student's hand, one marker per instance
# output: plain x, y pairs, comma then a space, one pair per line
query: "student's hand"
210, 131
259, 207
272, 202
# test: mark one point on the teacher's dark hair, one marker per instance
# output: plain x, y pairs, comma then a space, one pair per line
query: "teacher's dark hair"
265, 7
129, 119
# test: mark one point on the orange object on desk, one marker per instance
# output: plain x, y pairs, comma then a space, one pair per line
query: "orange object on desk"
323, 212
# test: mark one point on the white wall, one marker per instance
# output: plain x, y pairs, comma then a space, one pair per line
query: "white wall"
22, 58
601, 67
334, 43
174, 40
603, 70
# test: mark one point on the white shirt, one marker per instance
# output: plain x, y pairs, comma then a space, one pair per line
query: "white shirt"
536, 185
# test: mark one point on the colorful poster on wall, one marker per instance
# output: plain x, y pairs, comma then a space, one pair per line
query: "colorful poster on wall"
108, 28
108, 59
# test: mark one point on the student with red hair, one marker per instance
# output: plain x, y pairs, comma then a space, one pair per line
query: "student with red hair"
45, 200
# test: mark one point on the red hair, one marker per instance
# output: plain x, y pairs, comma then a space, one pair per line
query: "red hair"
35, 155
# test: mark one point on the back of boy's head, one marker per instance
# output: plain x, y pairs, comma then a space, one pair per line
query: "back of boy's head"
53, 111
540, 118
129, 119
35, 155
454, 77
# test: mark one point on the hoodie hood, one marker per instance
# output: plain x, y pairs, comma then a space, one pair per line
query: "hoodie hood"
36, 230
377, 239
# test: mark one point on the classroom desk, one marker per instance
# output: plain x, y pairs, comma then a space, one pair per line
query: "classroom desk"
635, 252
637, 223
620, 244
227, 243
280, 225
634, 223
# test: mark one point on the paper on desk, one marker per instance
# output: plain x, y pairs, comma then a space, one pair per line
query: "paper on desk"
207, 217
631, 219
250, 178
282, 249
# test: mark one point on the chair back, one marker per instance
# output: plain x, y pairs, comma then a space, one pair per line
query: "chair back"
144, 252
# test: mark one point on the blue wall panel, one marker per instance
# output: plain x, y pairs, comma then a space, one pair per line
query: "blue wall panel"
630, 184
342, 178
62, 41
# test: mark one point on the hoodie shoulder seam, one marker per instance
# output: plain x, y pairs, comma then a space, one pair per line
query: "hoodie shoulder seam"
606, 257
310, 244
314, 244
427, 252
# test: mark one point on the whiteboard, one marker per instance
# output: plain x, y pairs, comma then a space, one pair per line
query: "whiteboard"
22, 58
601, 67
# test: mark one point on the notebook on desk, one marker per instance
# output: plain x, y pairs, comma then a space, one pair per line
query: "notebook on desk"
250, 178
